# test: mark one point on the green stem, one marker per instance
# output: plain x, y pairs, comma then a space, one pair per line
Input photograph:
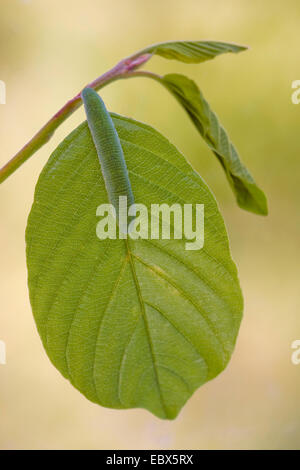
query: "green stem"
123, 69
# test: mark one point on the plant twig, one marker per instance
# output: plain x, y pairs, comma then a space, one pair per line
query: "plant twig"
124, 69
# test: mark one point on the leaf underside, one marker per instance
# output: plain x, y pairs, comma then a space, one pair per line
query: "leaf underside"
139, 323
248, 195
192, 51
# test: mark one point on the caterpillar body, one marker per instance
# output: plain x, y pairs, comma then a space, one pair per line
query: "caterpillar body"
109, 149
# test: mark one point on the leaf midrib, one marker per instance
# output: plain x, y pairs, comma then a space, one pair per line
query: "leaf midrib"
147, 328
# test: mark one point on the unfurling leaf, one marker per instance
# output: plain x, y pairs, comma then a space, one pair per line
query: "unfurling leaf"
192, 51
249, 196
131, 323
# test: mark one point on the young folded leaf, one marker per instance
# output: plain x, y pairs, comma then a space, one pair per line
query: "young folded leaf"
192, 51
131, 323
249, 196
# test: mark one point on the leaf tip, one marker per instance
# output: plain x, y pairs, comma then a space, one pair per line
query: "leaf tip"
257, 204
241, 47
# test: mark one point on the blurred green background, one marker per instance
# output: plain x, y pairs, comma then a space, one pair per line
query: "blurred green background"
49, 49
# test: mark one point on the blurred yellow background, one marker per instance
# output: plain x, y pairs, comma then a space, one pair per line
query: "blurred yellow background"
49, 49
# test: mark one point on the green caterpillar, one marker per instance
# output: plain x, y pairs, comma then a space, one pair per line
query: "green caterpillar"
109, 150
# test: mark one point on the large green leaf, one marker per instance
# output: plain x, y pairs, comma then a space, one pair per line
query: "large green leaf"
130, 323
192, 51
249, 196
